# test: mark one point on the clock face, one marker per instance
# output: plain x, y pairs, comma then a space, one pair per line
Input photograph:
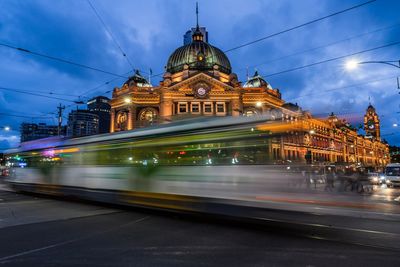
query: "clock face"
371, 125
201, 91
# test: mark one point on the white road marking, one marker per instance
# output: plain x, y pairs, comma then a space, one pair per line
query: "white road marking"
4, 259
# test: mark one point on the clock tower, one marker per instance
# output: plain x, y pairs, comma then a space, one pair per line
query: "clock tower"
372, 123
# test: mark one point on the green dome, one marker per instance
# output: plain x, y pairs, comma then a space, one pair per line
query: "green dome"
198, 55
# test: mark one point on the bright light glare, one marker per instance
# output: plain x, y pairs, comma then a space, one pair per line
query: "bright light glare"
7, 128
351, 65
395, 125
312, 132
127, 100
259, 104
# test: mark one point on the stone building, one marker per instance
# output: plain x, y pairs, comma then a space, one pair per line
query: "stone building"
198, 81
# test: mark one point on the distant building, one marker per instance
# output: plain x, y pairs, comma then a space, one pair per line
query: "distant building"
394, 154
187, 37
100, 106
33, 131
82, 123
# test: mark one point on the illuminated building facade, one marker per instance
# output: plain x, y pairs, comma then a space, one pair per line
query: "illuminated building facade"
199, 81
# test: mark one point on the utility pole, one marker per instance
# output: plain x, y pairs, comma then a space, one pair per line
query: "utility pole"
60, 109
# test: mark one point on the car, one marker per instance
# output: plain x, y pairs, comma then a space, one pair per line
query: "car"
392, 174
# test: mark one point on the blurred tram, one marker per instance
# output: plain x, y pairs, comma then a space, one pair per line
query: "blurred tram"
216, 157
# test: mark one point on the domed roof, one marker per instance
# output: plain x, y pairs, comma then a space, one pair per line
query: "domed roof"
138, 80
257, 81
198, 55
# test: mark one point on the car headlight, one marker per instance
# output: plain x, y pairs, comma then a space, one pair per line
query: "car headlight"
375, 179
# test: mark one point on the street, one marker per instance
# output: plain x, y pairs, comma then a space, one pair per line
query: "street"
48, 232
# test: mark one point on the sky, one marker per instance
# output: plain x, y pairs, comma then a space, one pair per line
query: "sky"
149, 31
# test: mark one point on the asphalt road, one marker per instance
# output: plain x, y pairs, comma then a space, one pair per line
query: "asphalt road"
47, 232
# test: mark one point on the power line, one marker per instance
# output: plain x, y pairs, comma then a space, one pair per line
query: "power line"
110, 33
324, 46
288, 30
101, 85
343, 87
331, 59
60, 60
47, 92
34, 94
299, 26
23, 116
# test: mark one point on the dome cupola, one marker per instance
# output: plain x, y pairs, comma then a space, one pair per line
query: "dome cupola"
198, 55
257, 81
137, 80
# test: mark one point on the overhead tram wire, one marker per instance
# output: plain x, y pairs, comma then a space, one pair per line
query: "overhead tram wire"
110, 33
331, 59
60, 60
101, 85
322, 92
290, 29
40, 92
326, 45
299, 26
34, 94
23, 116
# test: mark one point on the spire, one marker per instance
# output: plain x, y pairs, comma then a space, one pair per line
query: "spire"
197, 15
197, 35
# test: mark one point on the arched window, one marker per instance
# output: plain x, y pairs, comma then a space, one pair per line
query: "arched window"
122, 120
148, 115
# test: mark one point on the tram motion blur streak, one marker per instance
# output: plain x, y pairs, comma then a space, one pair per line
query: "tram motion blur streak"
207, 165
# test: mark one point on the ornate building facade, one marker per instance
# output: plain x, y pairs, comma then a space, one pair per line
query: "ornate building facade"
199, 81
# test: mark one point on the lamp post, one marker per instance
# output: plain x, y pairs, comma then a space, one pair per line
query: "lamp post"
352, 64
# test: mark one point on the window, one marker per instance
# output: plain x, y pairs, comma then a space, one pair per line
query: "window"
196, 107
220, 108
208, 108
182, 107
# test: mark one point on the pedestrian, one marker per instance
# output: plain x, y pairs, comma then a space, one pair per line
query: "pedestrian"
330, 176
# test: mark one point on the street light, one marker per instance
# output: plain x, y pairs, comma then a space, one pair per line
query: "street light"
395, 125
353, 64
7, 128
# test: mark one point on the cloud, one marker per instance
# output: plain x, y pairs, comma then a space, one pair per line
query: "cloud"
149, 31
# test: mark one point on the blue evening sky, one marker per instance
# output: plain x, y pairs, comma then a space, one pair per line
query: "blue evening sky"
149, 31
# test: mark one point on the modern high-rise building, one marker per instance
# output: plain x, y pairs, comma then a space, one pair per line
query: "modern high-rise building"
99, 105
82, 123
33, 131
